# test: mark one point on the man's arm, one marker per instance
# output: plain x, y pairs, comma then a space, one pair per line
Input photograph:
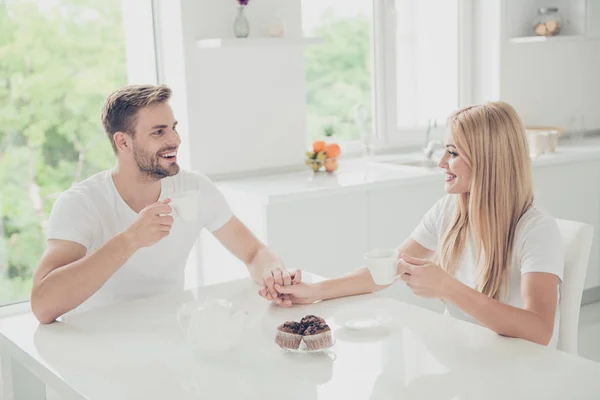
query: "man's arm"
265, 267
66, 276
242, 243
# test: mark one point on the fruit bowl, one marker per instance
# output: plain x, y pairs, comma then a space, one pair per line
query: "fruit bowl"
323, 157
327, 164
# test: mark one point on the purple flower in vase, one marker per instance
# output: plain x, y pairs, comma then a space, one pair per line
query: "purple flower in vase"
241, 26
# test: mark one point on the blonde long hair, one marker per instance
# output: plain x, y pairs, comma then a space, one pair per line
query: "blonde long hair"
494, 144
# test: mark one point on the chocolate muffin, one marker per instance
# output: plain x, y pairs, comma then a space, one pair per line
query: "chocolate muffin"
311, 320
318, 336
289, 335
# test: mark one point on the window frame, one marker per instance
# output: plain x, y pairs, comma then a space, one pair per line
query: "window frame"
138, 58
386, 133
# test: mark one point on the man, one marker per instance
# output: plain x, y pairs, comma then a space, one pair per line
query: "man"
112, 237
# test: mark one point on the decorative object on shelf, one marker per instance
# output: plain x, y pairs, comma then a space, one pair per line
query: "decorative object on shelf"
552, 141
278, 28
542, 140
241, 27
323, 154
535, 128
548, 22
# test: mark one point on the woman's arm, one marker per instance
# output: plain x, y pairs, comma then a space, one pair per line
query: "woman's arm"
354, 283
535, 322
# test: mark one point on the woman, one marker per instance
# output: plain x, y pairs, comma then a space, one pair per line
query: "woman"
484, 249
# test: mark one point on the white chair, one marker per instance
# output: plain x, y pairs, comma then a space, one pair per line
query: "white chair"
577, 244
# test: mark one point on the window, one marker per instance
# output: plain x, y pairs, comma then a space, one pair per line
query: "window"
426, 61
58, 61
338, 70
410, 56
419, 53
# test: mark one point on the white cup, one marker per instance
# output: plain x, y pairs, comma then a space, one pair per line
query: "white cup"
538, 143
552, 140
185, 205
383, 265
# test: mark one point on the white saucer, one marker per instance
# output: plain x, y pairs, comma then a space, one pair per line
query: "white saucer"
303, 350
362, 318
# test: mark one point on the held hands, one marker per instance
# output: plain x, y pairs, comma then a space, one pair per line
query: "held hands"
425, 278
279, 277
301, 293
153, 224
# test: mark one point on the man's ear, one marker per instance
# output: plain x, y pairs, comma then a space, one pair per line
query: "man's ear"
122, 141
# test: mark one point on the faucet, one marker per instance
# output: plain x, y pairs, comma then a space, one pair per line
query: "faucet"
431, 146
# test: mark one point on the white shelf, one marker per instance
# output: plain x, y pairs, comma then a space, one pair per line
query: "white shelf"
218, 43
538, 39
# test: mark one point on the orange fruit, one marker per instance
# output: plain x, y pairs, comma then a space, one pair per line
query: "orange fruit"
332, 150
331, 164
318, 146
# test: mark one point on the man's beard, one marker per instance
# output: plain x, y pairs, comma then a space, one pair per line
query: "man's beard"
149, 164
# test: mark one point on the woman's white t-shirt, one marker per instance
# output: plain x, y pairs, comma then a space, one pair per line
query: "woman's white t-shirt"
93, 212
537, 247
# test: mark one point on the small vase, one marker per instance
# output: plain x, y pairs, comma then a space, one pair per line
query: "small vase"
241, 26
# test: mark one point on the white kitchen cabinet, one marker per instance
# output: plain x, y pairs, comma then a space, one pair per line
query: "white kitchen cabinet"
326, 235
394, 212
572, 191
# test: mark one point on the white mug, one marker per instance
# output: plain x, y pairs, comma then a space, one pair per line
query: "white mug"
383, 265
538, 143
185, 205
552, 137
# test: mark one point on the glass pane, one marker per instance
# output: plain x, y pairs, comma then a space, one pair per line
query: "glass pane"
338, 70
426, 61
58, 61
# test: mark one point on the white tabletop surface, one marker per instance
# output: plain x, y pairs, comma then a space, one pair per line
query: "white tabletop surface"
138, 351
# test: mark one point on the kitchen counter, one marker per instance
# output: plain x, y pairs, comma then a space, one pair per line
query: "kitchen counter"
362, 174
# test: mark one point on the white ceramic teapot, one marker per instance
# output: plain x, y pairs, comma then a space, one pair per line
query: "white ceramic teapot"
213, 324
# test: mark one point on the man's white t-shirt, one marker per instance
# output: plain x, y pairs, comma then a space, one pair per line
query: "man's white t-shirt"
537, 247
93, 212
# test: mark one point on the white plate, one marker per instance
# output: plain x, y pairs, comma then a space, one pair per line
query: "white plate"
303, 350
362, 318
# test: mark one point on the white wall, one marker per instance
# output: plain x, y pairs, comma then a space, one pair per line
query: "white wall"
245, 107
554, 83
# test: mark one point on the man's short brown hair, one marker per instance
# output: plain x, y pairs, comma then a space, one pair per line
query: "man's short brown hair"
119, 113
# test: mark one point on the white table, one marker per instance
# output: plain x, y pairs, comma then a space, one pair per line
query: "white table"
138, 351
